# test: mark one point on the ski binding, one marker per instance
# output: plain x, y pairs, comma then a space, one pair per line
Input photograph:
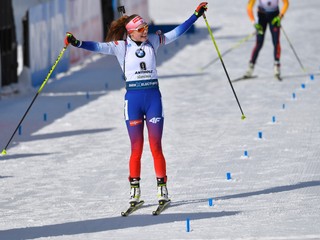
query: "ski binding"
163, 204
133, 207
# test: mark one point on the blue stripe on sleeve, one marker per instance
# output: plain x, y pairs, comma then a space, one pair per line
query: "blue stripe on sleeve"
182, 28
91, 46
179, 30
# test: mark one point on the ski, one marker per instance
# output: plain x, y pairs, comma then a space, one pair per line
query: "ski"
161, 207
133, 207
244, 78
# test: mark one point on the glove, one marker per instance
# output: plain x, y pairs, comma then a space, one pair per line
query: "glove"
276, 21
72, 40
259, 28
201, 9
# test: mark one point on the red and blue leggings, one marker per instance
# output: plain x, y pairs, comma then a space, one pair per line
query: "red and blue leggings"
144, 106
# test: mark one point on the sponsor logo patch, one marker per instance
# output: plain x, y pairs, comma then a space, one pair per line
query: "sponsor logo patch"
135, 123
155, 120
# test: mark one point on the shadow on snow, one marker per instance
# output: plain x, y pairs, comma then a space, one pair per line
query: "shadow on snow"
104, 224
17, 156
65, 134
28, 138
279, 189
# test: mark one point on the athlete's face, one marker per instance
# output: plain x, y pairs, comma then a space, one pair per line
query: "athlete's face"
140, 34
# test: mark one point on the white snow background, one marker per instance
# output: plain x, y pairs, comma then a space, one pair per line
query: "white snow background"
66, 177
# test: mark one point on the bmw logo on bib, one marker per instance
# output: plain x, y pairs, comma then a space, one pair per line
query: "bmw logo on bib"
140, 53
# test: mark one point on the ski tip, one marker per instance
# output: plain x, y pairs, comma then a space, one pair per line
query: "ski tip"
244, 78
123, 214
4, 152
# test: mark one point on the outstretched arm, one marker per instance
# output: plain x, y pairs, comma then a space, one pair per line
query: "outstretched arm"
98, 47
182, 28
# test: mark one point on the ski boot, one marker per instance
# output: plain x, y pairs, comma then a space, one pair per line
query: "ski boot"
276, 70
162, 190
135, 191
249, 72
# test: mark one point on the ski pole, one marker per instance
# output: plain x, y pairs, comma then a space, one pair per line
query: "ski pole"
241, 41
302, 67
224, 67
4, 151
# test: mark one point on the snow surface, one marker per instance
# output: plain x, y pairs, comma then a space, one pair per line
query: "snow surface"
66, 177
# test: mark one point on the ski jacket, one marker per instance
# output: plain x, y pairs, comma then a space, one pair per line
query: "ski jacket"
138, 62
266, 6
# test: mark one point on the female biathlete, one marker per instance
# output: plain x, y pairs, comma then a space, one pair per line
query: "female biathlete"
135, 49
268, 13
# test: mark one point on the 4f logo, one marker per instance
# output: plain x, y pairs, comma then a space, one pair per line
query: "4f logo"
155, 120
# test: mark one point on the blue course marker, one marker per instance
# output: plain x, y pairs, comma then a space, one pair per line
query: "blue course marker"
188, 225
228, 176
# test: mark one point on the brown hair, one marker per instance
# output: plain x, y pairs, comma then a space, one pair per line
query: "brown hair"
117, 30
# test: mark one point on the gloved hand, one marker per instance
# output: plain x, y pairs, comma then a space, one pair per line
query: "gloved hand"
201, 9
276, 21
72, 40
259, 28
